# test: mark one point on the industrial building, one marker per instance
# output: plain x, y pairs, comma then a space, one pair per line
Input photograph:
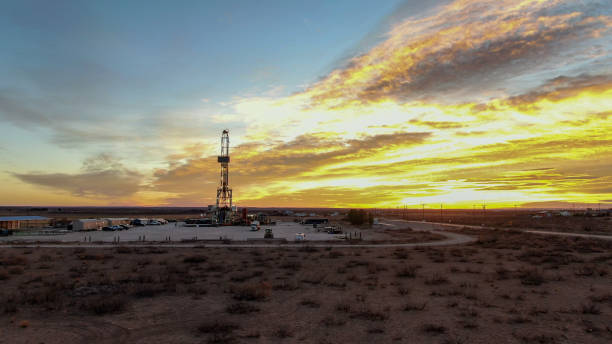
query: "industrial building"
24, 222
315, 221
88, 224
116, 221
97, 224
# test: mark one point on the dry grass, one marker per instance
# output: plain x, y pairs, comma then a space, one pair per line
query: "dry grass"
103, 304
505, 285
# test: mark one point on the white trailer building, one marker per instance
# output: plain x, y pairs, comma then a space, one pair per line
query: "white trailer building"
88, 224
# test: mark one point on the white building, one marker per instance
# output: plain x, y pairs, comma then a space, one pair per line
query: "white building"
88, 224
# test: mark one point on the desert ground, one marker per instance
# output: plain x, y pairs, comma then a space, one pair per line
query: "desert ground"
546, 220
505, 287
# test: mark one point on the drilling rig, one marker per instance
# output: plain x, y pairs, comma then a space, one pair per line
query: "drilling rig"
224, 209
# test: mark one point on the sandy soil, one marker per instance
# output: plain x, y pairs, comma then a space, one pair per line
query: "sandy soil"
508, 287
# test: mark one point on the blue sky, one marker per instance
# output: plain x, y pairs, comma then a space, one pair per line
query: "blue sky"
168, 53
84, 63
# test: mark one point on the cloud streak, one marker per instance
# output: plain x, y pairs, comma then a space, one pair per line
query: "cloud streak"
101, 176
465, 44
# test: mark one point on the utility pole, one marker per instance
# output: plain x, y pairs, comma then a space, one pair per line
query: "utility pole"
484, 212
423, 206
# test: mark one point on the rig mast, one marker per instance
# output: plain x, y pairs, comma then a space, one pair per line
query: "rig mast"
224, 192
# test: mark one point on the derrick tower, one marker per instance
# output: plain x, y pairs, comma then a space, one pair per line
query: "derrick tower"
224, 192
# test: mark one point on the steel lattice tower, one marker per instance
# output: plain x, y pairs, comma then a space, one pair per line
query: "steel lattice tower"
224, 192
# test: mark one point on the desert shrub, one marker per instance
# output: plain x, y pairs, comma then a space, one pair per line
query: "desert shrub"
252, 334
403, 290
313, 277
407, 271
15, 270
153, 250
590, 308
241, 308
369, 314
468, 312
13, 260
354, 263
216, 268
40, 296
469, 324
519, 319
251, 292
310, 303
335, 254
376, 330
124, 250
87, 256
195, 259
147, 290
45, 258
532, 277
241, 277
330, 321
104, 304
217, 327
412, 306
374, 268
286, 285
433, 328
601, 298
198, 290
343, 307
536, 338
590, 270
401, 253
502, 273
283, 332
220, 332
436, 279
308, 248
291, 265
437, 257
535, 311
10, 307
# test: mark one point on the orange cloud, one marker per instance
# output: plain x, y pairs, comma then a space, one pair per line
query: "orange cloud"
466, 44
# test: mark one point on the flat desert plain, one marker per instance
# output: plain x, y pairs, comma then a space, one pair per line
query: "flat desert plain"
506, 287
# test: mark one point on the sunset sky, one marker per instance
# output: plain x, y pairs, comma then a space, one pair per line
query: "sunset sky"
328, 103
